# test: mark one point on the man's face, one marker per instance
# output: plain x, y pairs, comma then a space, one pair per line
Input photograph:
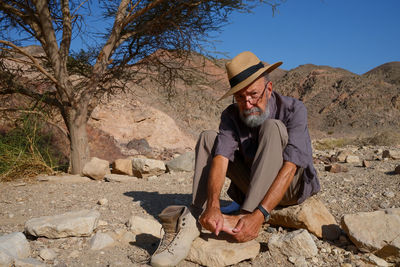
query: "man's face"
253, 102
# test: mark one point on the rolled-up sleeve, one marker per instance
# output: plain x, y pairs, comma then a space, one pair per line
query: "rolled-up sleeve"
298, 149
227, 141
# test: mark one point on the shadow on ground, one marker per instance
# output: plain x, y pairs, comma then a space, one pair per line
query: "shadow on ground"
154, 202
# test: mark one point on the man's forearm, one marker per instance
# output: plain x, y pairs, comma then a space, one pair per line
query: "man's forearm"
279, 186
216, 179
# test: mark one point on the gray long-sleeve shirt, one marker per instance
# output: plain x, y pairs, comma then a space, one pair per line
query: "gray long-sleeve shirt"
235, 135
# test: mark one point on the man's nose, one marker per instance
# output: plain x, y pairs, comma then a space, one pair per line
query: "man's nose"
248, 105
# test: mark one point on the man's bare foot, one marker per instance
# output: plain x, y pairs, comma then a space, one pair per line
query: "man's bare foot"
230, 222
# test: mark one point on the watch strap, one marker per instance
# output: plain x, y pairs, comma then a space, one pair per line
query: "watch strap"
264, 212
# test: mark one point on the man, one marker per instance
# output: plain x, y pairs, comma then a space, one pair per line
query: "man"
263, 146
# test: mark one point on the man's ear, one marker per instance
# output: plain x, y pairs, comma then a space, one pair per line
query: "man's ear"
269, 89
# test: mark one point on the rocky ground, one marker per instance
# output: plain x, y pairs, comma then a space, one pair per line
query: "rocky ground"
359, 189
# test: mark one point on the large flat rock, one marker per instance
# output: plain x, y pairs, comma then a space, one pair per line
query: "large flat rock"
377, 231
206, 250
76, 223
311, 215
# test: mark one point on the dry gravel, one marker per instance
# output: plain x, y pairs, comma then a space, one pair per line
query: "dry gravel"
359, 189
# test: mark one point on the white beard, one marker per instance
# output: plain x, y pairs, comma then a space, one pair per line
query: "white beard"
254, 120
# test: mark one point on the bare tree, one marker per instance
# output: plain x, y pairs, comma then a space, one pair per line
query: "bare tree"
77, 81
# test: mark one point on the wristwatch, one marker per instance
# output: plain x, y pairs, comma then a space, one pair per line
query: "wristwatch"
265, 212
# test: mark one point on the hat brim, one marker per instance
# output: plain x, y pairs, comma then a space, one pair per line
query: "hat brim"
249, 80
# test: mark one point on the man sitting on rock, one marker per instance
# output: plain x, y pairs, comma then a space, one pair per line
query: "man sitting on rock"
263, 146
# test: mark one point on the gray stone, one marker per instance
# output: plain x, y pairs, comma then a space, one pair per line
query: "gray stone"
311, 215
15, 245
293, 244
209, 251
372, 231
139, 225
118, 178
77, 223
96, 168
47, 254
143, 167
28, 262
100, 241
184, 162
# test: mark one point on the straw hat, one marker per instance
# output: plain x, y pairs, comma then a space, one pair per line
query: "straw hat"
244, 69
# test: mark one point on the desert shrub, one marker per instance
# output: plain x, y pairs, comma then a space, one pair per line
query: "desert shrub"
331, 143
26, 150
386, 138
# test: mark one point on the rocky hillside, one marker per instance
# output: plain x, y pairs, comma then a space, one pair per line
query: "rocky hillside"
340, 104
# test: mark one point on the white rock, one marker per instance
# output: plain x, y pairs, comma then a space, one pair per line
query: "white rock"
378, 261
96, 168
219, 252
352, 159
100, 241
77, 223
118, 178
139, 225
294, 244
15, 245
147, 167
47, 254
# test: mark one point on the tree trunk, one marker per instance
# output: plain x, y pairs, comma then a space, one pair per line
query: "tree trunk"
77, 121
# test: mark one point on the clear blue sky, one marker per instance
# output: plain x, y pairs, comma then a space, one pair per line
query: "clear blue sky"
356, 35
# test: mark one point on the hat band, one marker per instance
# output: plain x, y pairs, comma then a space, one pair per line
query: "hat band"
245, 74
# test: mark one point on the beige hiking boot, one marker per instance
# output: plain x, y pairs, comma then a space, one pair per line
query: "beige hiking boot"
180, 230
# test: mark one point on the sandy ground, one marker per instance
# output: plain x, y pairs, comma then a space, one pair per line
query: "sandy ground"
359, 189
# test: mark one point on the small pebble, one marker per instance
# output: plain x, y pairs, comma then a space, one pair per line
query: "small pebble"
388, 194
102, 201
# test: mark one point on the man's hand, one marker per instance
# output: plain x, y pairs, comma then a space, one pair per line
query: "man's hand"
212, 220
246, 228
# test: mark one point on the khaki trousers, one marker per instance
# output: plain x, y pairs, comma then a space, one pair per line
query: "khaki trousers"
249, 185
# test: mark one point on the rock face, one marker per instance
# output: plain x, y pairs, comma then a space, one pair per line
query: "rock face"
184, 162
143, 167
311, 215
294, 244
14, 245
122, 166
377, 231
139, 225
79, 223
218, 252
96, 168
